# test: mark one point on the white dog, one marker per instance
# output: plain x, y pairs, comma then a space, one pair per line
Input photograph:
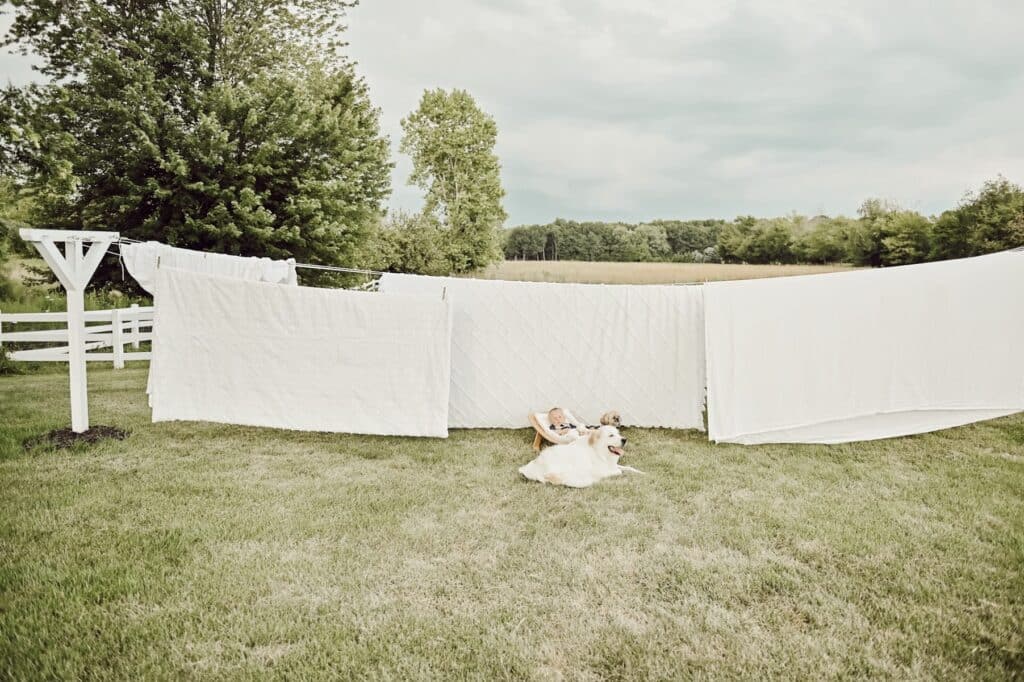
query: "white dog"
581, 463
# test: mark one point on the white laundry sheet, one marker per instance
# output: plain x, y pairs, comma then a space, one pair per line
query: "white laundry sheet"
141, 261
259, 354
518, 347
867, 354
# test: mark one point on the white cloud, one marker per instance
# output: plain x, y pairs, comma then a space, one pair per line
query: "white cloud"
692, 108
709, 107
582, 165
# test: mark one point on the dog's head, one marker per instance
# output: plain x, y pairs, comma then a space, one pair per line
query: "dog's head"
607, 439
611, 418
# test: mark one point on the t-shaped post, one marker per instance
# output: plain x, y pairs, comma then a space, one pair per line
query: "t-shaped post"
74, 268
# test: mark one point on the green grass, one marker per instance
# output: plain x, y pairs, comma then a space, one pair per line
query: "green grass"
199, 550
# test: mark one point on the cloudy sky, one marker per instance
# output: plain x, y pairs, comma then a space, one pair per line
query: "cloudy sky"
710, 108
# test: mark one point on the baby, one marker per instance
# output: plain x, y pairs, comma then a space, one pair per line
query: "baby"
561, 425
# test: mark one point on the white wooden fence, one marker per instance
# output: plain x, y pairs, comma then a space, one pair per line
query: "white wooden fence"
107, 332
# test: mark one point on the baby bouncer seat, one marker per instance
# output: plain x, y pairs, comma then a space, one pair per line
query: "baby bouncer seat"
542, 425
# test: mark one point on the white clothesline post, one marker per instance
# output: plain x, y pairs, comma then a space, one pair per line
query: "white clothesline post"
74, 268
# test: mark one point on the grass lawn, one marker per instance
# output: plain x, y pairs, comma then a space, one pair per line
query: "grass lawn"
198, 550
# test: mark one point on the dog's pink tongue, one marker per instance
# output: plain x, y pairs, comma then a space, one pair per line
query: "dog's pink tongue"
615, 451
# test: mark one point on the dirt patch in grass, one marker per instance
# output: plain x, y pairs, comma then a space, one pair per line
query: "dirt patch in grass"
66, 438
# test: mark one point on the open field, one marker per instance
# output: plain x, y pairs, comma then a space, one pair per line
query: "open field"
199, 550
643, 273
586, 271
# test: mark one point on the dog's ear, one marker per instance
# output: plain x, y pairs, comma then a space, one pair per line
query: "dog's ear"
594, 435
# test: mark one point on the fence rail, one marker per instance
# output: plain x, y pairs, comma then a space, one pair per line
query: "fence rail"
107, 333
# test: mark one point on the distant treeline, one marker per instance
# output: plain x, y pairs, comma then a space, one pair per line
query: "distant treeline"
882, 234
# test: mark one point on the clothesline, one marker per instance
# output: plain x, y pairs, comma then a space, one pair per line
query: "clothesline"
338, 268
311, 266
363, 271
378, 273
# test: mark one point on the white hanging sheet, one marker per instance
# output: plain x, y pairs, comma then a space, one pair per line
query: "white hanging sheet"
141, 260
237, 352
867, 354
519, 347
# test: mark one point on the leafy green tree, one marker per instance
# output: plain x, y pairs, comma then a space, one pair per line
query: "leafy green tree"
14, 208
525, 242
410, 243
825, 242
551, 240
865, 245
5, 247
950, 239
451, 142
657, 240
770, 242
599, 241
991, 220
207, 124
220, 40
15, 212
567, 240
628, 246
688, 237
733, 238
883, 234
907, 240
748, 240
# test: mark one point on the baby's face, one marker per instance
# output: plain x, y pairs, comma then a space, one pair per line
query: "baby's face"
557, 417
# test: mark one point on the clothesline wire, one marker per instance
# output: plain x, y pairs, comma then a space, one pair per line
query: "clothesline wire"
308, 266
360, 271
338, 268
378, 273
